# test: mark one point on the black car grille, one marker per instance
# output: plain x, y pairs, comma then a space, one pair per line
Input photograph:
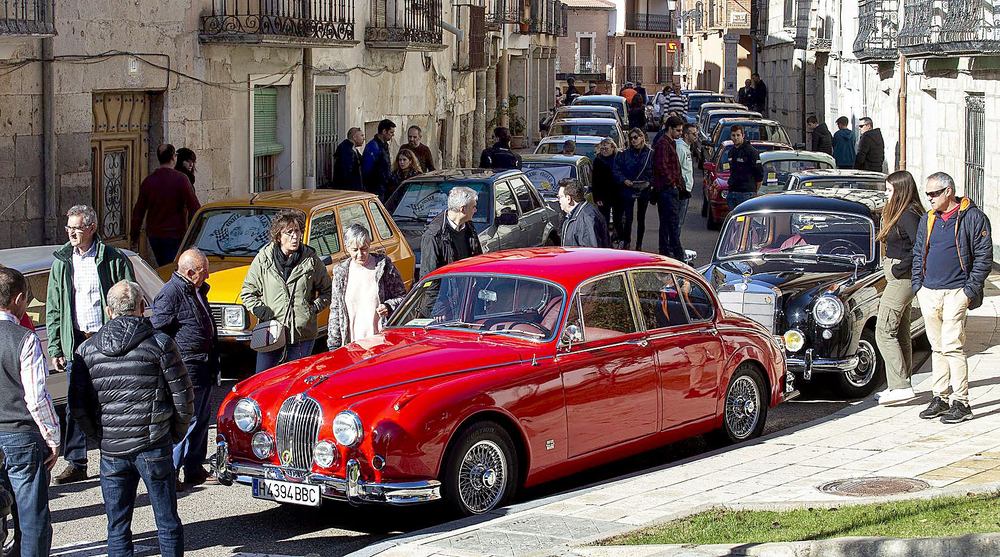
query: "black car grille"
217, 312
297, 430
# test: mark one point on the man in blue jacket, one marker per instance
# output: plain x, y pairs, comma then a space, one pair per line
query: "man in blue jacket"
952, 256
377, 163
181, 311
843, 144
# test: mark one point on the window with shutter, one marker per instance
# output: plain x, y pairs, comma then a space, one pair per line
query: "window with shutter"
265, 139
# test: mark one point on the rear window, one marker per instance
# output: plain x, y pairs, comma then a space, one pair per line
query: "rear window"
417, 201
758, 132
599, 130
555, 147
694, 103
617, 105
847, 183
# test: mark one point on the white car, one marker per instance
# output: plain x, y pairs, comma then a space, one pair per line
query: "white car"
34, 263
553, 145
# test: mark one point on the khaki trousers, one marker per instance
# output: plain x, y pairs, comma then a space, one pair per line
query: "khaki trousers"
944, 315
892, 330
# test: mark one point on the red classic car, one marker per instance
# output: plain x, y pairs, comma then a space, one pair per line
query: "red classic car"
716, 182
501, 371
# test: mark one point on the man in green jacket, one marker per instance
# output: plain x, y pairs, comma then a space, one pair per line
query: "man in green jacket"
82, 273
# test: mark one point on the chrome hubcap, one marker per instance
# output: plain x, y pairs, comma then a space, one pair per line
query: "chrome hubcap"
482, 476
867, 362
742, 407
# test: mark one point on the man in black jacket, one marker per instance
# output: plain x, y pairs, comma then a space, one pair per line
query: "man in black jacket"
952, 256
500, 156
822, 139
584, 225
181, 311
450, 236
871, 149
347, 163
135, 401
745, 172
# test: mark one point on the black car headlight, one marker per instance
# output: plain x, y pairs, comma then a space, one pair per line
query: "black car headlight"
828, 311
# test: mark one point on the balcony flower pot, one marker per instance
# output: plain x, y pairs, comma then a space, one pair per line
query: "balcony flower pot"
524, 27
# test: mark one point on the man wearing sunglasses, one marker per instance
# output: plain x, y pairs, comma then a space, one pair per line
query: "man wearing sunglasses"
952, 256
871, 148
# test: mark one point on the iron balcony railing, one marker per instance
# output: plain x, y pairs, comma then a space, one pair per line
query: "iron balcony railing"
878, 31
663, 74
563, 15
921, 27
292, 22
401, 24
970, 26
648, 22
633, 73
28, 17
500, 12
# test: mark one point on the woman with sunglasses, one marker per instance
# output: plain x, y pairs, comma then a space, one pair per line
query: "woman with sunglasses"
900, 220
633, 171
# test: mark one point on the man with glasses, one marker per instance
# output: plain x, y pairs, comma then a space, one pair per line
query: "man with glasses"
82, 273
871, 149
684, 142
952, 256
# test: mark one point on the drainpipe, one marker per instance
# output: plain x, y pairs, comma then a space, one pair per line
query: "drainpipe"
902, 112
50, 194
504, 83
309, 124
802, 119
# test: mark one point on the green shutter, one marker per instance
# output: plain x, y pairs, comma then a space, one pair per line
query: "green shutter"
265, 122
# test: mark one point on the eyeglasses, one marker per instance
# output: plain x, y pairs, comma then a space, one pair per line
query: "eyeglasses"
72, 229
935, 193
292, 232
635, 137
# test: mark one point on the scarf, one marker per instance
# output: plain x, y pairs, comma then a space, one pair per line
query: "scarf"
286, 264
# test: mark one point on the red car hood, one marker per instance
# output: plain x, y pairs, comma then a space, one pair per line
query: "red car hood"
384, 361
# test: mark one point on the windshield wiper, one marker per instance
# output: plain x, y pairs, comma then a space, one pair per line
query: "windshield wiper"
531, 334
444, 324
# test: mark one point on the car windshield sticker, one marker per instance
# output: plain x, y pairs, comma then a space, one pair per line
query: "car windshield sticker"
431, 205
233, 232
772, 175
725, 166
546, 179
420, 322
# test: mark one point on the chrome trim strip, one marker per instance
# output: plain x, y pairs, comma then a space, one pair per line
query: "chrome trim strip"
826, 365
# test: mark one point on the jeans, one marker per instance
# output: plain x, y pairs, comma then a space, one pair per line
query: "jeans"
290, 353
74, 441
734, 198
191, 451
944, 315
119, 481
682, 211
667, 205
640, 222
164, 249
27, 479
892, 329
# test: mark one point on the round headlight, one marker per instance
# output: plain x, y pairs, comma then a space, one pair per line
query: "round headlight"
347, 428
723, 193
828, 311
794, 340
262, 444
247, 415
324, 454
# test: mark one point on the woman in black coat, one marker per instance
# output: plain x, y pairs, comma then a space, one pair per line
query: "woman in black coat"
637, 112
606, 192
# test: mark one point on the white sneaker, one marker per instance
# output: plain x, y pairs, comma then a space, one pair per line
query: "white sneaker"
897, 395
881, 394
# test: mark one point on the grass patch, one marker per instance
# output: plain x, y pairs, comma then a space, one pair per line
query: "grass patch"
939, 517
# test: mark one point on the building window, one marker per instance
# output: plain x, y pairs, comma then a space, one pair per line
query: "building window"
789, 13
975, 147
327, 134
586, 45
265, 137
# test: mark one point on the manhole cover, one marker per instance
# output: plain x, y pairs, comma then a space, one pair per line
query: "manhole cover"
873, 486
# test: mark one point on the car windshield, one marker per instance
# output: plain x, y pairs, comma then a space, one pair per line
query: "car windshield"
695, 102
599, 130
799, 233
587, 112
417, 201
845, 183
231, 231
487, 304
556, 147
755, 131
546, 175
714, 117
617, 105
776, 173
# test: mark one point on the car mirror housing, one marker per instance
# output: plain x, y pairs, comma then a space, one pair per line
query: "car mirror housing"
800, 146
689, 256
572, 334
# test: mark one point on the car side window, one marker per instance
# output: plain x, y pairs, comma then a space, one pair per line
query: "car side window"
660, 299
504, 199
606, 310
524, 198
354, 214
381, 225
697, 302
323, 234
38, 284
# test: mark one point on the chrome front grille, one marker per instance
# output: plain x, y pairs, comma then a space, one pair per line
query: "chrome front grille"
752, 300
297, 431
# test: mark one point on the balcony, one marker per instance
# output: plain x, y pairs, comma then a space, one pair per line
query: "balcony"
969, 27
878, 31
405, 25
633, 73
293, 23
500, 12
27, 19
921, 27
664, 74
655, 23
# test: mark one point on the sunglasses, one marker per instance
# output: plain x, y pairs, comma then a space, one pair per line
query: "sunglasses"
935, 193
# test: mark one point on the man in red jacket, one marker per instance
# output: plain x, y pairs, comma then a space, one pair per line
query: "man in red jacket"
167, 201
667, 183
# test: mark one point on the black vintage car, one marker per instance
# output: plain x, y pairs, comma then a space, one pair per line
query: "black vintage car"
805, 264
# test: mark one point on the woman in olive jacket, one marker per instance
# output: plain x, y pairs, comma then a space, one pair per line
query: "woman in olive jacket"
289, 282
900, 220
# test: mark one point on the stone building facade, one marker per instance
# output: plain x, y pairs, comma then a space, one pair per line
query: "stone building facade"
716, 44
585, 53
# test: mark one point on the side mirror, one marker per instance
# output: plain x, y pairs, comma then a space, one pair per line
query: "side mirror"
572, 334
507, 219
709, 167
800, 146
689, 256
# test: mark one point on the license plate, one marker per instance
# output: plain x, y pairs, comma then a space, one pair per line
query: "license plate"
286, 492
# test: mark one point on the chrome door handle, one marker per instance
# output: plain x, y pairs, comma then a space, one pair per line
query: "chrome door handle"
641, 342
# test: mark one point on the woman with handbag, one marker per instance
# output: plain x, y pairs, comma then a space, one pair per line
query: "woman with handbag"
633, 171
367, 288
286, 286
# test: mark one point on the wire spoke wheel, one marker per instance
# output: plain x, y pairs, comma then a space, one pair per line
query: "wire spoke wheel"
482, 476
743, 407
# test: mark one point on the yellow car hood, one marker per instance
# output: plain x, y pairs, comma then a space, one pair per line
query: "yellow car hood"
225, 277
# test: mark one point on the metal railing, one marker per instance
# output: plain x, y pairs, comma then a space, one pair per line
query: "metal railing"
294, 21
663, 74
500, 12
970, 26
404, 22
878, 30
28, 17
633, 73
921, 27
975, 148
648, 22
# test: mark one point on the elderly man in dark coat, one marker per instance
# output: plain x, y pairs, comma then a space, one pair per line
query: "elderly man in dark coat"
584, 225
347, 163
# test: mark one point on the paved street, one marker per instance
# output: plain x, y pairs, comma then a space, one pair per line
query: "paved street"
220, 520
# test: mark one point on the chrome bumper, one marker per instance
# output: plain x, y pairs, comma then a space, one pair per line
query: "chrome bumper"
352, 489
809, 365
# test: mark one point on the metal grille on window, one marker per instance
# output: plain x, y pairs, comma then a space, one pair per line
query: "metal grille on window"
975, 148
115, 164
327, 138
477, 37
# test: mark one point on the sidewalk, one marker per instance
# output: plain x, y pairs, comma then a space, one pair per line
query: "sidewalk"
781, 470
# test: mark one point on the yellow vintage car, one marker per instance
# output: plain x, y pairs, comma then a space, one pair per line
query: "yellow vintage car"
231, 232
